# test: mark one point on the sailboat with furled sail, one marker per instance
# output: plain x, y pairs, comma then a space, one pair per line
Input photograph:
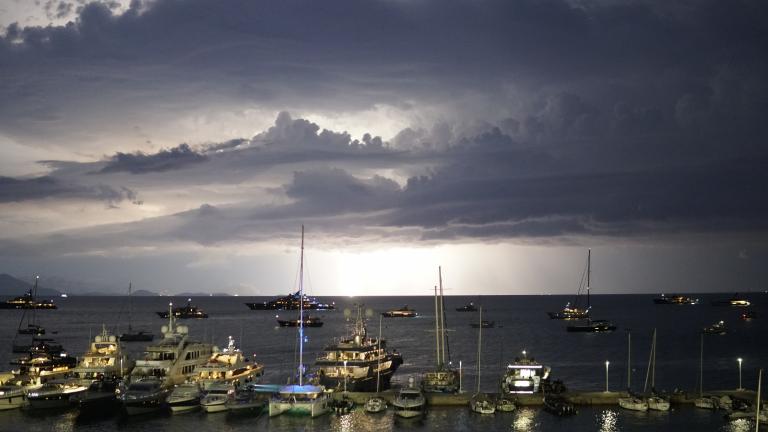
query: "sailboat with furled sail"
131, 335
443, 379
302, 398
570, 312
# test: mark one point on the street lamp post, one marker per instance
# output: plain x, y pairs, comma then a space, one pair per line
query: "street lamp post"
740, 360
606, 375
345, 376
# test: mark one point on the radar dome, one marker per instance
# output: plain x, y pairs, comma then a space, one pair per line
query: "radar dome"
97, 338
164, 329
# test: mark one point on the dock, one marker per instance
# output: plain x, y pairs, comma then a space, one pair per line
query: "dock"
581, 398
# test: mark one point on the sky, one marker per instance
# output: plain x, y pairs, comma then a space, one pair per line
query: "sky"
181, 144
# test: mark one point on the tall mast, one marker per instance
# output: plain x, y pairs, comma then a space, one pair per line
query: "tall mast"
442, 319
701, 367
129, 307
437, 332
758, 401
34, 299
589, 272
378, 356
653, 371
629, 360
479, 345
301, 311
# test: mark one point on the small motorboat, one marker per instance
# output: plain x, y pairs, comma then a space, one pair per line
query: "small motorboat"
309, 321
707, 402
403, 312
410, 402
485, 324
375, 404
658, 403
558, 405
592, 326
748, 315
216, 396
482, 404
467, 308
54, 395
716, 328
246, 400
505, 405
342, 406
185, 397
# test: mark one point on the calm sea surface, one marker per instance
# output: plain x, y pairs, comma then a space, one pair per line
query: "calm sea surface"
521, 324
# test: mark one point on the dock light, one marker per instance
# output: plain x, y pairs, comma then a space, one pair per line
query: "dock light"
740, 387
607, 363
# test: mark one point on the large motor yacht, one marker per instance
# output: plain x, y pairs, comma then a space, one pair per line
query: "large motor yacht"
292, 302
524, 376
28, 300
169, 362
226, 368
184, 312
355, 362
100, 369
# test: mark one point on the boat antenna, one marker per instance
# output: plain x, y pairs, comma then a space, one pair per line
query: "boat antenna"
129, 307
301, 310
34, 299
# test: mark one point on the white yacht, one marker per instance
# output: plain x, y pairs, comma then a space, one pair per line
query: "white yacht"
173, 360
100, 369
524, 376
633, 403
185, 397
410, 401
216, 397
54, 394
12, 396
230, 366
301, 398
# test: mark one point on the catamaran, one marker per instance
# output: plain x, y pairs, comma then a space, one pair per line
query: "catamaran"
301, 398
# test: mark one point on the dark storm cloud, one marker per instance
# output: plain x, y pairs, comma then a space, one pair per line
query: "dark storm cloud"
17, 190
164, 160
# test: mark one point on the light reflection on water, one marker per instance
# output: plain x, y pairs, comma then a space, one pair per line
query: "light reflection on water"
525, 420
608, 421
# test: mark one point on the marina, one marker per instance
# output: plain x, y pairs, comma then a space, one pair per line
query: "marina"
575, 360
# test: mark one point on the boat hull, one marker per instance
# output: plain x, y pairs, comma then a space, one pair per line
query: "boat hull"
633, 404
313, 409
145, 404
12, 401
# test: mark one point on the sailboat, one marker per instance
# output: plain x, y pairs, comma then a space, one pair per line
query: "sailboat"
708, 402
631, 402
131, 336
443, 379
300, 398
574, 312
377, 404
655, 402
481, 403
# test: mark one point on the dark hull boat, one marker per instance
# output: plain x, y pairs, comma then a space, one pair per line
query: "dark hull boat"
28, 301
292, 302
185, 312
467, 308
559, 406
403, 312
675, 299
596, 326
139, 336
575, 312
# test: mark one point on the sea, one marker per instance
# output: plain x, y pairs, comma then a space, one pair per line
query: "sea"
521, 324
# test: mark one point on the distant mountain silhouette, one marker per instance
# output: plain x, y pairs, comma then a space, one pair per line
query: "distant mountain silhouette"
144, 293
201, 294
11, 286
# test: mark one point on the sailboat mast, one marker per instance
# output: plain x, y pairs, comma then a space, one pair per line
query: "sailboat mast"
443, 341
758, 401
34, 299
479, 345
437, 332
629, 360
589, 272
701, 367
129, 307
648, 371
378, 363
301, 311
653, 370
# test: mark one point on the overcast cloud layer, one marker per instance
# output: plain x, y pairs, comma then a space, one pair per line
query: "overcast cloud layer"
198, 125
